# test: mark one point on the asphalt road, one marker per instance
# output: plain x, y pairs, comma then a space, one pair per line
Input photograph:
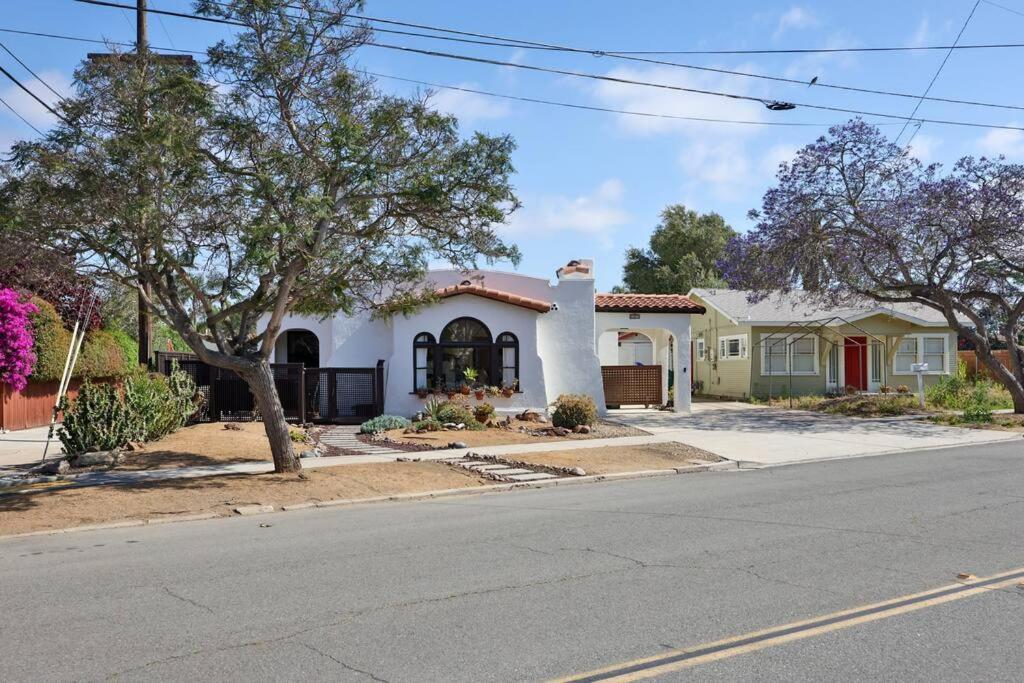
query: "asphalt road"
532, 585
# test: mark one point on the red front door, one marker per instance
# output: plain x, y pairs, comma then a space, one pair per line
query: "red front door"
856, 359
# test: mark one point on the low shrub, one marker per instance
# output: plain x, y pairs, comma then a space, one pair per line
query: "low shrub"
979, 409
158, 405
383, 423
455, 412
428, 425
885, 389
97, 420
903, 389
432, 405
572, 410
298, 436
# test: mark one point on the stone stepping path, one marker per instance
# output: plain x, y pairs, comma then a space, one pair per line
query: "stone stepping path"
506, 472
344, 436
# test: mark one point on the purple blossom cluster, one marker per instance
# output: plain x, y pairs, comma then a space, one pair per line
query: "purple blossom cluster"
16, 339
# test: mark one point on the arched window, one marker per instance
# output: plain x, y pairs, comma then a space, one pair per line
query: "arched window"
508, 359
465, 353
465, 345
465, 331
423, 355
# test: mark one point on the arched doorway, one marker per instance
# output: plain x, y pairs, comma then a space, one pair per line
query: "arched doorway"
301, 346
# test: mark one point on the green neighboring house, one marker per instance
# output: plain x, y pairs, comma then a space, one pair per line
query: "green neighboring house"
793, 344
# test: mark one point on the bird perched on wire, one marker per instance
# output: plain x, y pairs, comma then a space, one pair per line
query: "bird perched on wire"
813, 81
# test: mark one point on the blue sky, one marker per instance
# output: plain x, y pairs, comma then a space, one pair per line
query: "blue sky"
593, 183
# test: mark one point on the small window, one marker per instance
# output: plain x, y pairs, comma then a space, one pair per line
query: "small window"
805, 356
700, 349
732, 347
775, 353
906, 356
935, 353
508, 357
423, 361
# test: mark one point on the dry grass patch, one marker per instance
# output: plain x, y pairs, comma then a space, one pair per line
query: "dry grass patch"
612, 459
1001, 422
203, 444
493, 436
56, 508
857, 405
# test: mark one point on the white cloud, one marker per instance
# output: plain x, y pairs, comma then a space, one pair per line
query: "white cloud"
28, 107
675, 102
467, 106
795, 18
923, 147
1009, 143
775, 155
921, 33
596, 214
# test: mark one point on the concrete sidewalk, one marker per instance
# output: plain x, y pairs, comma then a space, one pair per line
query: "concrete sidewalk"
25, 447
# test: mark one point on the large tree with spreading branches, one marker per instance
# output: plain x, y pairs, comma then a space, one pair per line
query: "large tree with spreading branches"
683, 253
271, 178
854, 215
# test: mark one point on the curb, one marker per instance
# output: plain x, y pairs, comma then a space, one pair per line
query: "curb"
723, 466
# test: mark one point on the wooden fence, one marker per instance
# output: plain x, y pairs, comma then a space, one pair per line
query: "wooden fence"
975, 368
632, 385
32, 406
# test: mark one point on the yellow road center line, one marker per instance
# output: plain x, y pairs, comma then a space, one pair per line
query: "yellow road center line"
675, 660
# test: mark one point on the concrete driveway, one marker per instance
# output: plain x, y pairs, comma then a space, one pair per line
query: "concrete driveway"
773, 436
25, 447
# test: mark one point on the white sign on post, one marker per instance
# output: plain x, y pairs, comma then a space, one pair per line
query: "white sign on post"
919, 369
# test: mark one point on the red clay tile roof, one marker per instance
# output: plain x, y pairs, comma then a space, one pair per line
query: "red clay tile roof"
496, 295
646, 303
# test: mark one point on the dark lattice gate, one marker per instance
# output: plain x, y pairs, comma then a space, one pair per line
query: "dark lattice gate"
344, 395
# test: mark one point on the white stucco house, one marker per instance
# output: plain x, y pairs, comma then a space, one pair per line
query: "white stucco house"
541, 337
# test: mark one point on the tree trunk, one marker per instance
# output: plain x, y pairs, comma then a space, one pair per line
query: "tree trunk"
261, 383
1012, 378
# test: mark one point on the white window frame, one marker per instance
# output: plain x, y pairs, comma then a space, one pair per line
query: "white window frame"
920, 339
788, 340
723, 347
701, 349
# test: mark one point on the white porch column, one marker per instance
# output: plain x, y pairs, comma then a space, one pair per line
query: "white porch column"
683, 372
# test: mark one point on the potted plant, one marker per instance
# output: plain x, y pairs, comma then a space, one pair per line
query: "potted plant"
479, 393
483, 412
493, 391
471, 375
509, 389
422, 393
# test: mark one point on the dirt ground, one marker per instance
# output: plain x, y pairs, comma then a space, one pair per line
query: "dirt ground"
202, 444
498, 437
42, 508
611, 459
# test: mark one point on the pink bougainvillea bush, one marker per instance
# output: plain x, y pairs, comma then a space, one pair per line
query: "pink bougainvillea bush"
16, 342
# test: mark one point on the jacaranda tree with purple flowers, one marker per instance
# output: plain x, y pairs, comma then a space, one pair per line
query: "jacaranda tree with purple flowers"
854, 215
16, 355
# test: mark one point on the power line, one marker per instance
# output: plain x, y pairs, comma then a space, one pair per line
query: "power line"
520, 98
581, 74
1004, 7
29, 69
529, 44
512, 42
936, 76
609, 110
31, 94
23, 119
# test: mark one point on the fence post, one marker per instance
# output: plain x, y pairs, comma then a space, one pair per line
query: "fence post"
378, 393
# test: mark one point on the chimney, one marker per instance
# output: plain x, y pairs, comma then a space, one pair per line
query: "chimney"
577, 269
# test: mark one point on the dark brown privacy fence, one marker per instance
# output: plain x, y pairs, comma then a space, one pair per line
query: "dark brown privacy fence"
341, 395
33, 405
632, 384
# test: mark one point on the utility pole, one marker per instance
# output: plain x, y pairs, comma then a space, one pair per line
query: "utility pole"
141, 53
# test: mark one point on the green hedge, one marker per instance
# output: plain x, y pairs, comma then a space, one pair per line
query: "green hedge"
103, 354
